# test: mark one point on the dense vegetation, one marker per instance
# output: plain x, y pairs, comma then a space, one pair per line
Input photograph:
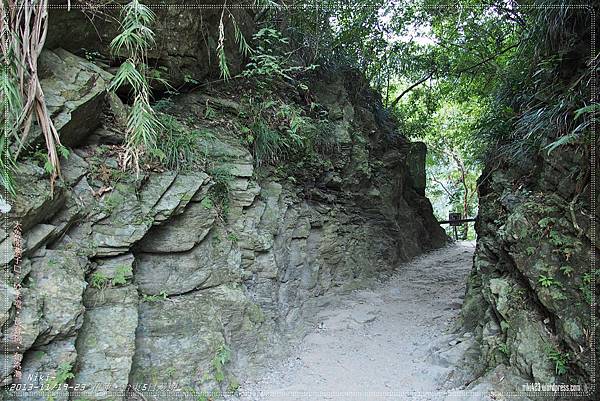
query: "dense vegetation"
475, 82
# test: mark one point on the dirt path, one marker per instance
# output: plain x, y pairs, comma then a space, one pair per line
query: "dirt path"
388, 342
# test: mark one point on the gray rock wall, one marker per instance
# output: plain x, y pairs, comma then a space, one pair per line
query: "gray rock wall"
529, 294
131, 279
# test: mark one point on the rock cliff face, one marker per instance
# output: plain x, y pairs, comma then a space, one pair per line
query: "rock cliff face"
196, 277
531, 292
529, 295
186, 48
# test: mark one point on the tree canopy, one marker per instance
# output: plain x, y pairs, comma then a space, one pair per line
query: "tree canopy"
476, 82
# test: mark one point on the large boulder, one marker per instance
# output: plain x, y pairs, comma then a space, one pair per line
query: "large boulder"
75, 90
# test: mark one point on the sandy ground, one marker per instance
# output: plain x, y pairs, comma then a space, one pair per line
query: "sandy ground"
390, 342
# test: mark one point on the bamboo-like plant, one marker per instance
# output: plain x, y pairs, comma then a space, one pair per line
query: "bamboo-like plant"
244, 48
135, 39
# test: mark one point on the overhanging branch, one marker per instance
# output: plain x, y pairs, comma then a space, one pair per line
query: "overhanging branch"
413, 86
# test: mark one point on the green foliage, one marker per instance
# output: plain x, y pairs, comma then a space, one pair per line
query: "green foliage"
504, 349
142, 127
515, 73
99, 280
218, 195
11, 105
233, 385
163, 104
566, 270
270, 61
559, 360
542, 91
586, 278
209, 112
586, 285
136, 36
452, 170
587, 293
244, 48
276, 130
566, 245
161, 296
188, 79
129, 74
207, 203
134, 40
62, 375
547, 281
7, 166
233, 238
222, 357
111, 202
546, 222
121, 273
177, 146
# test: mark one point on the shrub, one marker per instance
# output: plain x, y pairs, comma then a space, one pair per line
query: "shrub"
177, 146
269, 61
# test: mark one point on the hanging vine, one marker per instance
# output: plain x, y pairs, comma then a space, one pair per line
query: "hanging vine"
23, 28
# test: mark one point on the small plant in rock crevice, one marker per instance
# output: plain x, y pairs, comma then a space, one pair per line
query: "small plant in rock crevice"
161, 296
62, 375
218, 373
503, 348
121, 273
559, 360
547, 281
222, 357
218, 195
99, 280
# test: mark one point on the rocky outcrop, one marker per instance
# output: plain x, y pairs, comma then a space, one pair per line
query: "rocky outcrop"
193, 278
532, 269
74, 90
530, 297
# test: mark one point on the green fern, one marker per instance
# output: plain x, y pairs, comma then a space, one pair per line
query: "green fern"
559, 360
546, 281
